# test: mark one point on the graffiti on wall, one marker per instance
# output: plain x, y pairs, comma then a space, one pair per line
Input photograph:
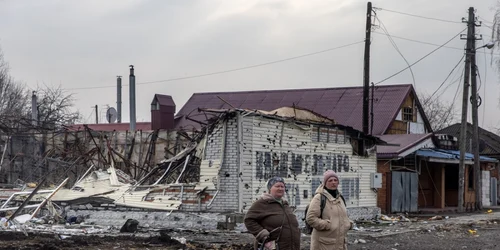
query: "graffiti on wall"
269, 164
289, 165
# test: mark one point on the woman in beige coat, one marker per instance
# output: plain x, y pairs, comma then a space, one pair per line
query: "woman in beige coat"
330, 229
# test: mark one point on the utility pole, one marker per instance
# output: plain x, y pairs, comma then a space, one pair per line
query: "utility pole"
463, 127
366, 73
475, 127
96, 115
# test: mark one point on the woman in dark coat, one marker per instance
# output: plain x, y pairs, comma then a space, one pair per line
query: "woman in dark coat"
270, 219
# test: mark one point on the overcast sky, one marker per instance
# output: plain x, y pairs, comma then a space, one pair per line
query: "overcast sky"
85, 44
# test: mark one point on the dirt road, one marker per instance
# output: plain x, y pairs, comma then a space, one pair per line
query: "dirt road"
453, 237
465, 232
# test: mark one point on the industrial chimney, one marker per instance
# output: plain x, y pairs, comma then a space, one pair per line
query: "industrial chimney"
119, 98
34, 110
132, 98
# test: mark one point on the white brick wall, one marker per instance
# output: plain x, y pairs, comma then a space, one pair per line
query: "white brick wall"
301, 160
226, 200
271, 147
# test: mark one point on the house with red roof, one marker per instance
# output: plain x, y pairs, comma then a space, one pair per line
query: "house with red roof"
396, 117
395, 109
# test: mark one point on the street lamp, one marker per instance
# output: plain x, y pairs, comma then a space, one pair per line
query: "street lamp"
489, 45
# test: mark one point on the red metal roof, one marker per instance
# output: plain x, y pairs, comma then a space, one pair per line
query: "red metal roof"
344, 105
165, 100
404, 142
111, 126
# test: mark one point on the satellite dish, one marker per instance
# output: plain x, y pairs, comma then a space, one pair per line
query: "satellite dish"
111, 115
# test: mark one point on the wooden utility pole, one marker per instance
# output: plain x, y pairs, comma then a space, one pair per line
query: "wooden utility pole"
366, 72
463, 127
475, 126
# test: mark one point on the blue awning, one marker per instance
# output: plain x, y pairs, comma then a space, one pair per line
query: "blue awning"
450, 155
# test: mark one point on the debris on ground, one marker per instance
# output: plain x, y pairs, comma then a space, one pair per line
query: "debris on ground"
130, 226
472, 231
437, 217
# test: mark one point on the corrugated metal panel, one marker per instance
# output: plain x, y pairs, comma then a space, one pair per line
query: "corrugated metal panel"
95, 188
143, 199
209, 172
247, 171
276, 148
404, 192
449, 154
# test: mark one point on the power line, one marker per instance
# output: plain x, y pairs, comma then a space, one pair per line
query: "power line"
428, 54
484, 20
417, 41
396, 47
428, 43
451, 72
229, 70
455, 79
454, 98
413, 15
487, 26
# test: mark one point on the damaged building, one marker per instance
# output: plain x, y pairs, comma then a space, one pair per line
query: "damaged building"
217, 165
245, 148
225, 168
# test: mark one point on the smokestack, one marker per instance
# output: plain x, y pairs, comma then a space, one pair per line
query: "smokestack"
34, 110
96, 114
119, 98
132, 98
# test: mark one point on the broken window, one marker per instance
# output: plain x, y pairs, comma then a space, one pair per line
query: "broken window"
358, 147
350, 188
326, 135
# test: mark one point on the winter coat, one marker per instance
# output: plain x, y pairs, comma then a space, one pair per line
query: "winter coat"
267, 213
330, 231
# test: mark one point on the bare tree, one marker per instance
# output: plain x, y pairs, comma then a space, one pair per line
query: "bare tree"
495, 36
55, 108
495, 31
439, 113
13, 99
54, 105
